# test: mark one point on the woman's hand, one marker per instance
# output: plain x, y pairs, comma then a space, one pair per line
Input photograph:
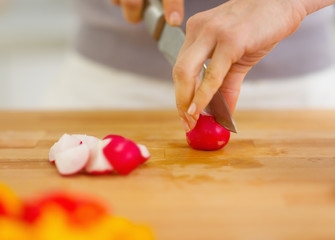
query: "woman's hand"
132, 10
234, 36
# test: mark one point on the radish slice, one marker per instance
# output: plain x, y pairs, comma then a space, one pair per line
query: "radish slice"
73, 160
98, 164
144, 152
89, 140
53, 151
123, 154
64, 143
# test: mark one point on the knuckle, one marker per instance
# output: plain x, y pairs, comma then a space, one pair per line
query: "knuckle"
202, 92
203, 95
181, 107
193, 22
234, 92
209, 86
211, 28
228, 36
223, 35
212, 79
213, 25
180, 73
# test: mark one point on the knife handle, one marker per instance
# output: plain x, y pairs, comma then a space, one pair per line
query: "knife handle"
153, 15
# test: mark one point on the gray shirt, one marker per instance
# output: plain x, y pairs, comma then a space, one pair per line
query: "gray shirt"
104, 36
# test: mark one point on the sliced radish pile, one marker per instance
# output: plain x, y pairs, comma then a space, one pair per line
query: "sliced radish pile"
207, 134
75, 153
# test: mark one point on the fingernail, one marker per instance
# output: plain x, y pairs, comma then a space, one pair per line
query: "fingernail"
174, 18
191, 121
185, 125
191, 109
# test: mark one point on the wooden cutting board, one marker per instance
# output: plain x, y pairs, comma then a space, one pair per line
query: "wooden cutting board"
274, 180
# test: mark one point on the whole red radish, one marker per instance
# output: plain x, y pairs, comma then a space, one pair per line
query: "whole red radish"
124, 155
207, 134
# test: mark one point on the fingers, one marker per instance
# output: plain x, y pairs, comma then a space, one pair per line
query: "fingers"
213, 78
174, 11
131, 9
193, 25
186, 72
187, 78
184, 92
224, 73
231, 86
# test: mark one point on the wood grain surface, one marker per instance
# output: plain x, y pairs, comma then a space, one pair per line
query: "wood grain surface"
274, 180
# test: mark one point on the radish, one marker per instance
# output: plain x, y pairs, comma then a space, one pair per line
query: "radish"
207, 134
73, 160
72, 153
144, 152
89, 140
64, 143
98, 164
124, 155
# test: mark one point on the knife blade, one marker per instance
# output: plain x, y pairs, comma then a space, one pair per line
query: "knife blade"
170, 40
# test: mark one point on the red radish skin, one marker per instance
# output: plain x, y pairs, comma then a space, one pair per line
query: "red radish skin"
123, 154
207, 134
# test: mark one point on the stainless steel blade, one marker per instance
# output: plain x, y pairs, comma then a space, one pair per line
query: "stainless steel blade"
170, 40
218, 108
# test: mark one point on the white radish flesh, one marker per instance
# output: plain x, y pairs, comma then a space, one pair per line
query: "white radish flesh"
98, 164
64, 143
73, 160
144, 151
89, 140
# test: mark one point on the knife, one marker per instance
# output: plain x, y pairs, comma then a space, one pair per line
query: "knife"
170, 40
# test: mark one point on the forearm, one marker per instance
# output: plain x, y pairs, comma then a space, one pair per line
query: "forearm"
311, 6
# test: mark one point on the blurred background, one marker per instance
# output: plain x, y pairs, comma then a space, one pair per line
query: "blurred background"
35, 36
